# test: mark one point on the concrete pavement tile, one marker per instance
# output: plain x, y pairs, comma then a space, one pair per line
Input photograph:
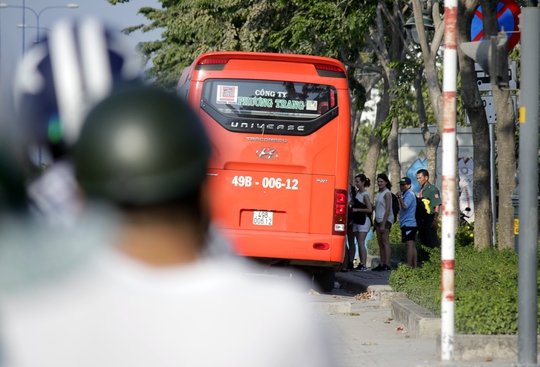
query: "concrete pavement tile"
369, 337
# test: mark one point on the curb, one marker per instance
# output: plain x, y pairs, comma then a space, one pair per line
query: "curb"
387, 298
330, 307
484, 347
421, 323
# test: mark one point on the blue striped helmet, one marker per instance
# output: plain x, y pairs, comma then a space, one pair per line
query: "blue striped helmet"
61, 78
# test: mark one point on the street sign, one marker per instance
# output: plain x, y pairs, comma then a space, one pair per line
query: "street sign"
508, 14
484, 81
489, 106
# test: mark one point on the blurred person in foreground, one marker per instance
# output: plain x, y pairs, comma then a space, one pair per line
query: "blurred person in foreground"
151, 297
32, 253
59, 80
13, 198
76, 65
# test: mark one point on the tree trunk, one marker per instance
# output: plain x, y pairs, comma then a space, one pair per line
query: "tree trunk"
431, 141
355, 123
506, 146
480, 132
393, 156
396, 54
506, 159
370, 166
429, 55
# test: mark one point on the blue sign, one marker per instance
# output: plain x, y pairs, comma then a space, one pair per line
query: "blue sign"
508, 14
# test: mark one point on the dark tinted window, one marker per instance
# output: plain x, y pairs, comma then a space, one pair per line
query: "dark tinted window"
269, 99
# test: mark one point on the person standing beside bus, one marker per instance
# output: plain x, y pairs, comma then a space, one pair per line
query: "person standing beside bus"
407, 219
428, 228
363, 207
384, 218
351, 254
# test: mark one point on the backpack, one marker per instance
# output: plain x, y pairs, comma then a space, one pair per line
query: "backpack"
353, 195
421, 212
359, 217
395, 206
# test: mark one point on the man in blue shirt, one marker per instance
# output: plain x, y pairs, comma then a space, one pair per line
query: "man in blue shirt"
407, 220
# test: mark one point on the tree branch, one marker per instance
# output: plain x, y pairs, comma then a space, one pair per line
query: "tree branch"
396, 29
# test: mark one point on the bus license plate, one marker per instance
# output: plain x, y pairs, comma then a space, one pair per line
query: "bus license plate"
263, 218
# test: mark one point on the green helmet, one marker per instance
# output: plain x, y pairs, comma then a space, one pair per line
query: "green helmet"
141, 146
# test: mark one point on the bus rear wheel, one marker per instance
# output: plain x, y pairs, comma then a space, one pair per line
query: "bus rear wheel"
324, 280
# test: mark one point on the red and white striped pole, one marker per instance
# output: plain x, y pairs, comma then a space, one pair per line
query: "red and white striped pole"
448, 179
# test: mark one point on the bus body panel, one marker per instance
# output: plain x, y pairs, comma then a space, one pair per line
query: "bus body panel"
241, 151
297, 247
295, 177
301, 203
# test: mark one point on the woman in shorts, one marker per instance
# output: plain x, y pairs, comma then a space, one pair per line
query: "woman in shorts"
384, 218
362, 210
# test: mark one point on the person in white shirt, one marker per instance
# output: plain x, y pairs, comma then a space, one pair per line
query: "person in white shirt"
361, 212
147, 295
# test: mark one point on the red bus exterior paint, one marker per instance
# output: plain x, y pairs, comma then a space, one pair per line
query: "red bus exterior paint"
280, 130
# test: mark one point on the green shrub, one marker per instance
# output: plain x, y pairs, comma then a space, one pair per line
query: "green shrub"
485, 292
398, 250
465, 235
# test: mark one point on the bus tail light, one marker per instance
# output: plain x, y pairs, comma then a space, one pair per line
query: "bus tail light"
330, 70
212, 64
340, 212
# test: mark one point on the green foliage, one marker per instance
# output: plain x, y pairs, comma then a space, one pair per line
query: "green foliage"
465, 235
193, 27
190, 28
356, 89
485, 292
324, 27
398, 250
361, 145
404, 106
422, 285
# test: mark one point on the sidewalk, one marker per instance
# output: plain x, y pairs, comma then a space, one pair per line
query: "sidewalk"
381, 337
360, 281
367, 336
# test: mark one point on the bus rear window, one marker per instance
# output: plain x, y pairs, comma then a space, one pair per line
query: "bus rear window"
269, 99
258, 105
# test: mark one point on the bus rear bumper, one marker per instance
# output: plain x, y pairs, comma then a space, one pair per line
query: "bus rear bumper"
295, 249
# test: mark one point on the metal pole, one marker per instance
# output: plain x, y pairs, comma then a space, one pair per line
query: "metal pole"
40, 152
493, 182
528, 187
37, 24
448, 179
0, 52
24, 24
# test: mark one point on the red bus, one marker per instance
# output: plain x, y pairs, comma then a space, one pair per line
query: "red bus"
280, 129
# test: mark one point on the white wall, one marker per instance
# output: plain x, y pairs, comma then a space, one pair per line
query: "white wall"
412, 156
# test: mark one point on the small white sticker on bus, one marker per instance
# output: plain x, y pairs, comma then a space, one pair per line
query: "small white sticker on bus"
227, 94
266, 182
